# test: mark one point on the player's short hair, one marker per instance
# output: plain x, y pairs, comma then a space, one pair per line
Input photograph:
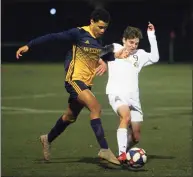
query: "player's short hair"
100, 14
132, 32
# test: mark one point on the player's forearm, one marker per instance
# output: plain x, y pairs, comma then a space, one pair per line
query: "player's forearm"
107, 49
69, 35
100, 62
42, 39
153, 46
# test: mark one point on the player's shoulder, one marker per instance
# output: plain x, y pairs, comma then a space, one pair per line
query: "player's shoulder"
84, 29
140, 51
78, 30
75, 30
81, 29
117, 47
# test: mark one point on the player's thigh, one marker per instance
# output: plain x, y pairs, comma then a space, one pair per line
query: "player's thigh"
74, 108
87, 98
79, 91
74, 88
119, 105
123, 111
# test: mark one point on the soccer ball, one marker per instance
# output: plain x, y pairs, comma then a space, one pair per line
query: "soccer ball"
136, 157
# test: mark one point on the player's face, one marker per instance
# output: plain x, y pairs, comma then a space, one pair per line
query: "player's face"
98, 28
131, 44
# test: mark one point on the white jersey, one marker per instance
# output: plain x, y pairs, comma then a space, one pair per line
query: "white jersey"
123, 73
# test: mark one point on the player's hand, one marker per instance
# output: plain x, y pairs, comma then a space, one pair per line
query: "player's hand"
150, 27
21, 50
123, 53
101, 69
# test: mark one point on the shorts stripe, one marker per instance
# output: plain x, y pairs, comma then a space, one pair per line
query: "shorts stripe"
76, 87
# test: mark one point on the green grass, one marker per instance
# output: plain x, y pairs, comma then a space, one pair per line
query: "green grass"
33, 98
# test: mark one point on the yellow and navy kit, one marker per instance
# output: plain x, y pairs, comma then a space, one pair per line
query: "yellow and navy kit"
86, 52
85, 56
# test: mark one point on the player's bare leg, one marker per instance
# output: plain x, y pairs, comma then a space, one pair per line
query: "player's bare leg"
122, 134
87, 98
134, 135
62, 123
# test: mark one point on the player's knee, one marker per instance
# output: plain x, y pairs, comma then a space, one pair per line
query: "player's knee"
72, 119
69, 118
126, 119
96, 109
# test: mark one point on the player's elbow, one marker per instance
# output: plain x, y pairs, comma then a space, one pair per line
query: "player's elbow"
156, 59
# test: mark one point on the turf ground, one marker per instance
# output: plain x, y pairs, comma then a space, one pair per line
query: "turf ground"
33, 97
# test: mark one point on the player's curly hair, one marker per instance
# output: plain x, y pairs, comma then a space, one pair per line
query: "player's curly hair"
132, 32
100, 14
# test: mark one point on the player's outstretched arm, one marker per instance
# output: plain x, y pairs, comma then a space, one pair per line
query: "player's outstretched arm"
69, 35
150, 27
107, 49
21, 50
120, 54
154, 54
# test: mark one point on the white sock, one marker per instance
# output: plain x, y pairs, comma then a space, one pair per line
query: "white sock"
122, 139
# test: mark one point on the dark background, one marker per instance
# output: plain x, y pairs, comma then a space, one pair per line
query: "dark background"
25, 20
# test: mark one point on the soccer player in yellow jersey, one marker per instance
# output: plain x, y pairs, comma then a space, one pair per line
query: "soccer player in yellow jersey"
86, 51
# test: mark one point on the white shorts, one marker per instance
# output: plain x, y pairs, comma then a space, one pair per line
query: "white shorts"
135, 106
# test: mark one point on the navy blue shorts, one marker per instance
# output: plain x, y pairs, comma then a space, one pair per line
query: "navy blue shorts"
74, 88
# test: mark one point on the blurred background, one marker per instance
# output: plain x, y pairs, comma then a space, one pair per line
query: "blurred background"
23, 20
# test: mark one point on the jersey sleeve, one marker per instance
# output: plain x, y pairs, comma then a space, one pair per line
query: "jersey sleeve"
117, 47
108, 57
69, 35
108, 51
153, 56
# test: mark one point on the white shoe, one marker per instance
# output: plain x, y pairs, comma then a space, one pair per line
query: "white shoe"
108, 155
46, 147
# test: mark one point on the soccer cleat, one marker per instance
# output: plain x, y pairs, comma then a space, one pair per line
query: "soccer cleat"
123, 157
108, 155
46, 147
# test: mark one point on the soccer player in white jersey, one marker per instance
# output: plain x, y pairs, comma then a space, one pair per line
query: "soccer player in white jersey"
122, 86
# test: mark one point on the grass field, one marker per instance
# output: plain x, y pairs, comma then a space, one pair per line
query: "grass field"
33, 98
